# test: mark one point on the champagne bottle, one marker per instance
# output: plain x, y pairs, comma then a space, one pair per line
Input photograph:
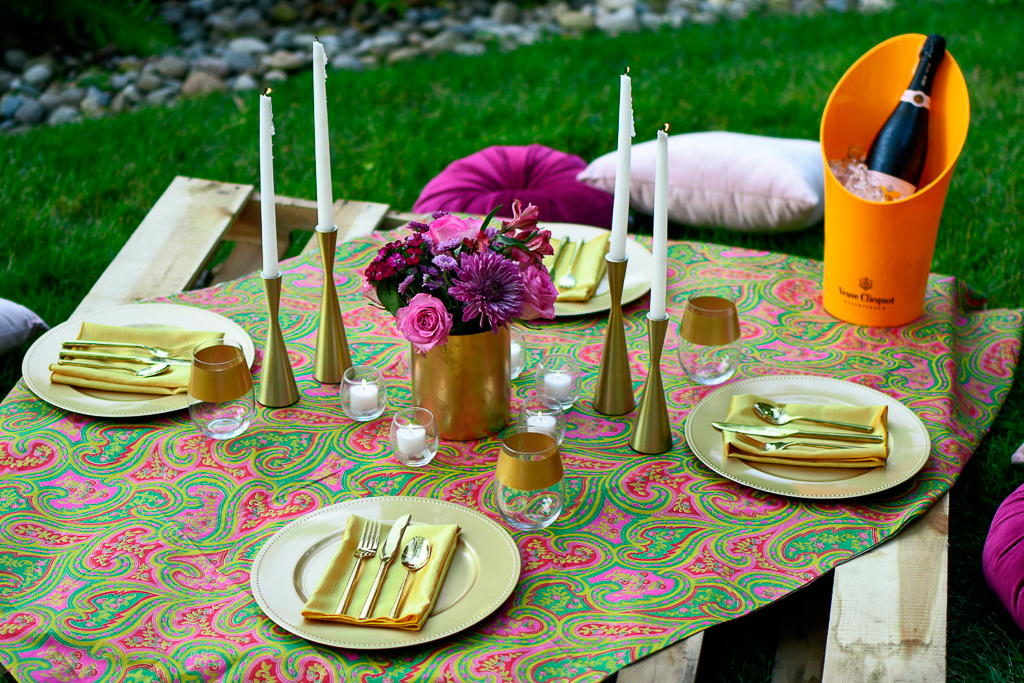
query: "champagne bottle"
898, 152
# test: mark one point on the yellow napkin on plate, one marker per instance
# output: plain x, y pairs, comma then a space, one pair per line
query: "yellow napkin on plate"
741, 411
589, 270
174, 381
420, 592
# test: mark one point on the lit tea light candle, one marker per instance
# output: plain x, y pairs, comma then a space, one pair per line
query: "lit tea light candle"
545, 422
412, 439
517, 355
363, 397
558, 385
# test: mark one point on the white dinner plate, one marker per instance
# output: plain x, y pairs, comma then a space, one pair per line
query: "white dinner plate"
45, 351
638, 271
482, 574
909, 443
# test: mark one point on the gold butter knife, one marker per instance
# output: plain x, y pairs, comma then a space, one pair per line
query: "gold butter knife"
387, 555
782, 432
97, 355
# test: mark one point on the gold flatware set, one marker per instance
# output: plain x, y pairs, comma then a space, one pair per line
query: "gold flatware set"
158, 360
777, 417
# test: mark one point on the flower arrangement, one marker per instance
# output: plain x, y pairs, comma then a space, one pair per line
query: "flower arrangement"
462, 276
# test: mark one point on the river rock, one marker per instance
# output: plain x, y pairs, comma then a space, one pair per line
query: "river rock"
72, 97
346, 62
172, 66
200, 82
212, 65
15, 59
95, 102
445, 41
624, 20
9, 104
163, 95
7, 79
575, 20
275, 76
505, 12
223, 21
249, 45
872, 6
285, 61
29, 112
191, 32
470, 49
404, 54
38, 75
50, 101
63, 114
122, 81
244, 83
249, 19
239, 62
149, 81
125, 99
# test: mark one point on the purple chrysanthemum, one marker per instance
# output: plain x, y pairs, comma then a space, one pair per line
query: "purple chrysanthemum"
437, 214
403, 287
491, 287
445, 262
448, 245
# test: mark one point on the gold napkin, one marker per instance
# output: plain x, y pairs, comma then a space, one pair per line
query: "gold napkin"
741, 411
420, 592
589, 270
174, 381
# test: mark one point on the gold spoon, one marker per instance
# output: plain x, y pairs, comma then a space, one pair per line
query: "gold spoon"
414, 556
777, 415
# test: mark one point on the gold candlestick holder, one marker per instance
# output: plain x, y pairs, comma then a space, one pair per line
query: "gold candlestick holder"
332, 357
651, 430
277, 381
613, 394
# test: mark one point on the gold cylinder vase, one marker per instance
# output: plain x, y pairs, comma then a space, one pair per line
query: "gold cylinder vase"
466, 384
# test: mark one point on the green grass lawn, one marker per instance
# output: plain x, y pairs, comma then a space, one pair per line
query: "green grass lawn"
70, 197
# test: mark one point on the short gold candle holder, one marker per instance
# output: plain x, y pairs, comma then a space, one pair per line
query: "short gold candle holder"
613, 394
651, 430
277, 381
332, 357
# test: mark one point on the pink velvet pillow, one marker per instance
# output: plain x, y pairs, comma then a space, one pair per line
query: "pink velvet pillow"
1003, 557
534, 174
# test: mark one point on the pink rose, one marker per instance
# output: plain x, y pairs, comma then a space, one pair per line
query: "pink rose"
539, 301
450, 227
424, 322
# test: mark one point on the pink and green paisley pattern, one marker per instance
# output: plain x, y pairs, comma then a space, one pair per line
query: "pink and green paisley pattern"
125, 546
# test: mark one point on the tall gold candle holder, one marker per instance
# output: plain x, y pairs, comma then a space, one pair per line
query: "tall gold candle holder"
613, 394
277, 381
651, 430
332, 357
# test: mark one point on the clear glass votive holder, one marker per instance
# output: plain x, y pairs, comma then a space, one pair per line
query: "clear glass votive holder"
709, 337
520, 355
558, 376
414, 438
221, 400
364, 393
544, 414
529, 486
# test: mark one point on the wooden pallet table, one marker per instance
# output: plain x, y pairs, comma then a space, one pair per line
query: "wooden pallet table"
887, 616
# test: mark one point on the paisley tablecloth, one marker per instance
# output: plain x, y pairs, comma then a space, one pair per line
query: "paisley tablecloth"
125, 546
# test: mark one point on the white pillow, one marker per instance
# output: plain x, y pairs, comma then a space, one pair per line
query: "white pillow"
17, 325
742, 182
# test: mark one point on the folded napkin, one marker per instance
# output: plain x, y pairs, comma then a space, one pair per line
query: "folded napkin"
589, 270
741, 411
420, 592
174, 381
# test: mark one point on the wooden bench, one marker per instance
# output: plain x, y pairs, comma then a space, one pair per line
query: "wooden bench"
887, 620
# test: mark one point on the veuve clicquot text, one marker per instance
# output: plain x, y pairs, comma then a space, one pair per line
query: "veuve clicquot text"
898, 152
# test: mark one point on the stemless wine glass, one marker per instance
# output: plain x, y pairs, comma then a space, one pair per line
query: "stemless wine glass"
414, 436
709, 337
558, 376
544, 413
221, 401
528, 481
364, 393
520, 355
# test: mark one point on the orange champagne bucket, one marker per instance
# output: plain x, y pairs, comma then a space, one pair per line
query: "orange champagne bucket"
878, 255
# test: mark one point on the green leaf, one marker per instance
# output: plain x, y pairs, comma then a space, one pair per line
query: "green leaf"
387, 292
489, 217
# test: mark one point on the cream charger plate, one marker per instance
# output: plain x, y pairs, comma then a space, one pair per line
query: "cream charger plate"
638, 271
909, 443
36, 365
482, 574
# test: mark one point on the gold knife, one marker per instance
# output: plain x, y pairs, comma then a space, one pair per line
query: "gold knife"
782, 432
97, 355
387, 554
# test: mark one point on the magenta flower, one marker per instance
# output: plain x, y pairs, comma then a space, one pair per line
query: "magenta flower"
539, 300
450, 227
491, 287
424, 322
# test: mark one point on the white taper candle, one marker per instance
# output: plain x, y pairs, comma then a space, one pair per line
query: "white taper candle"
659, 274
270, 269
324, 198
620, 207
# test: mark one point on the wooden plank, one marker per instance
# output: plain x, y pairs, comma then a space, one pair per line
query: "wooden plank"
168, 249
354, 219
888, 618
800, 656
675, 664
397, 219
292, 214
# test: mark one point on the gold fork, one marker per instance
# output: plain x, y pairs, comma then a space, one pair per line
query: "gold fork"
367, 547
772, 446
